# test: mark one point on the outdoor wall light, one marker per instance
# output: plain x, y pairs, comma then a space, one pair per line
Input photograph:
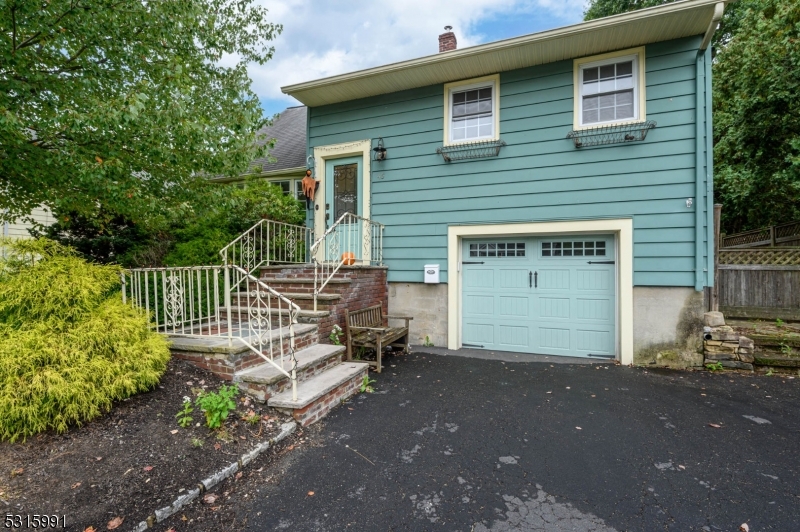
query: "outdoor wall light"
310, 164
379, 151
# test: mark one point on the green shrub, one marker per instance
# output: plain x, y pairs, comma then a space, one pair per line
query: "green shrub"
69, 347
190, 235
217, 405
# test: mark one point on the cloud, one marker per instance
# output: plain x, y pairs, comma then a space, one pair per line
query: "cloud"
325, 38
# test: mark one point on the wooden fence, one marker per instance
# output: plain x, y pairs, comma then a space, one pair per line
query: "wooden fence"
759, 283
776, 235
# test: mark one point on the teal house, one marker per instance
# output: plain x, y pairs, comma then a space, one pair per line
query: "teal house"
547, 194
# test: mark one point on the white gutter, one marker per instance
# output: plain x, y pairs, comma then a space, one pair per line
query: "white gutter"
719, 10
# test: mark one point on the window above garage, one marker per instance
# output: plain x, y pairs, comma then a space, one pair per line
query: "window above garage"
609, 89
471, 110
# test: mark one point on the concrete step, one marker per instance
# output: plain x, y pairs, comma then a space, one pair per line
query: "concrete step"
265, 380
320, 394
214, 353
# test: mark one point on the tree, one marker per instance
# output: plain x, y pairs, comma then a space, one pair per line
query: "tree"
757, 118
730, 20
121, 107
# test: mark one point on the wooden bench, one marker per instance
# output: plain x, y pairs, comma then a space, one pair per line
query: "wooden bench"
365, 328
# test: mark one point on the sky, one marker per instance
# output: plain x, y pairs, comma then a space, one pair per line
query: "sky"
325, 38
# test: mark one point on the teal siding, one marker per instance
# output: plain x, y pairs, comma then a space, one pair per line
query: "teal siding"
539, 175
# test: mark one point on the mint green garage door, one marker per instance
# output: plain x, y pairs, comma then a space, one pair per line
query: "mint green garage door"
551, 296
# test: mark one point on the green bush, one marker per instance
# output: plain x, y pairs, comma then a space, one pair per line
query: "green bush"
191, 235
235, 210
69, 347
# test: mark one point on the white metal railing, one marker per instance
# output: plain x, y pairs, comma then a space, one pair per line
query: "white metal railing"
267, 320
222, 301
182, 301
352, 240
269, 242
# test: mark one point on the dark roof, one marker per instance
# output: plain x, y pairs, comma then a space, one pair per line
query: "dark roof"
289, 132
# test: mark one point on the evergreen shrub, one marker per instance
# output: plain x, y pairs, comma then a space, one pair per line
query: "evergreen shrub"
69, 347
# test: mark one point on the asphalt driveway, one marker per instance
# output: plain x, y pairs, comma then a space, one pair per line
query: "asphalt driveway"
453, 443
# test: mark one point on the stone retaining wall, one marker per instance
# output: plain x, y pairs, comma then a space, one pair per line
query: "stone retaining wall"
723, 345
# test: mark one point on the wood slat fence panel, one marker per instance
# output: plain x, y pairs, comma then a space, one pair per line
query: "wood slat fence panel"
765, 291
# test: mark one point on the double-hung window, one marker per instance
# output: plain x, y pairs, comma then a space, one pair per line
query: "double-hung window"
609, 89
471, 110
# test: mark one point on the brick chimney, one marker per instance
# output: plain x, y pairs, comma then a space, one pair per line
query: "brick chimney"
447, 40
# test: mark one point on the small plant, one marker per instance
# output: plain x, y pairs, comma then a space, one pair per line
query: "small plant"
714, 366
224, 434
197, 442
366, 385
217, 405
779, 323
336, 335
770, 372
251, 417
360, 353
786, 350
185, 415
427, 342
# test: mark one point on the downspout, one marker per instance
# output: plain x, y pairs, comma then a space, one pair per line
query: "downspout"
700, 145
710, 236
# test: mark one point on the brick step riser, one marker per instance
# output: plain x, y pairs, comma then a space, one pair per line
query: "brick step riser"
226, 365
322, 406
266, 277
284, 286
262, 392
304, 304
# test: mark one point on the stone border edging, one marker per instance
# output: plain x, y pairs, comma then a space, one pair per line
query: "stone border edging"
205, 485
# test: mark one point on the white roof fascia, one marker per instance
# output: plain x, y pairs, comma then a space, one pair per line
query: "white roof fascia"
339, 88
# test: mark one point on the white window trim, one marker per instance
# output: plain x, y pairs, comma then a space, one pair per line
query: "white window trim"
637, 54
458, 86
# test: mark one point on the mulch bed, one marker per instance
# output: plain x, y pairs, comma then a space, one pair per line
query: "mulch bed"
129, 463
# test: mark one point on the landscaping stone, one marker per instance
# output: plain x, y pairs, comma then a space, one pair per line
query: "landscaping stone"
734, 364
747, 357
723, 345
746, 342
720, 356
714, 319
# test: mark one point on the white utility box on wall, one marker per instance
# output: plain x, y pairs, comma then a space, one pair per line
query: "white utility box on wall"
432, 273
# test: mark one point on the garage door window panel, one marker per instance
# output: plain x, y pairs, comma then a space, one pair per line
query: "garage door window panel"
579, 248
497, 249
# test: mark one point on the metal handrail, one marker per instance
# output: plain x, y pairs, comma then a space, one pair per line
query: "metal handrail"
352, 239
269, 242
260, 319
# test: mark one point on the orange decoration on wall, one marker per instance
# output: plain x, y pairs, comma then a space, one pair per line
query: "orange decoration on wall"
309, 185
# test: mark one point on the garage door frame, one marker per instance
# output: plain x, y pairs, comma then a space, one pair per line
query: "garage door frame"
622, 229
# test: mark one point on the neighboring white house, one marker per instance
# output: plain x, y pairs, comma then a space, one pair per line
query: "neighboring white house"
19, 228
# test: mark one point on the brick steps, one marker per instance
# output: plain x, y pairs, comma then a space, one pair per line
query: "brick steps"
320, 394
265, 380
215, 354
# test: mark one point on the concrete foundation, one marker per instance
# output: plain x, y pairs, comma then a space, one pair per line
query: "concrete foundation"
667, 326
427, 304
